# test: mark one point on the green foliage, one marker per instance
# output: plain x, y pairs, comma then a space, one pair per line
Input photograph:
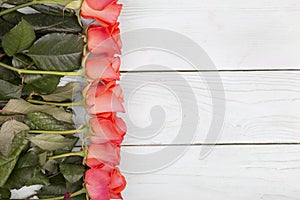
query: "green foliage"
57, 52
51, 142
49, 40
18, 38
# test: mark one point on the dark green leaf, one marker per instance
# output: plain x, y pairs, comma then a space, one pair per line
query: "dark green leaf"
7, 164
8, 90
51, 142
57, 52
21, 61
25, 177
53, 10
30, 159
72, 173
44, 121
5, 27
44, 84
23, 107
4, 193
43, 23
51, 166
62, 93
9, 76
7, 133
18, 38
16, 2
38, 178
13, 18
52, 191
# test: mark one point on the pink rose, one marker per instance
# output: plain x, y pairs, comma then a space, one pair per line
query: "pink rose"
103, 40
110, 129
106, 154
104, 184
102, 68
104, 97
105, 12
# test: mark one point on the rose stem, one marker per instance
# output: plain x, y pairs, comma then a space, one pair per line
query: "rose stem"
67, 132
79, 153
78, 103
77, 193
25, 71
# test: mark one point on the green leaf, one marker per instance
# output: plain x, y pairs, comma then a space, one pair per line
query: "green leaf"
21, 106
51, 166
44, 121
56, 10
13, 18
30, 159
21, 61
26, 172
4, 193
7, 164
51, 142
8, 90
52, 191
43, 23
7, 133
72, 173
57, 52
44, 84
18, 38
6, 117
16, 2
25, 177
62, 93
5, 27
9, 76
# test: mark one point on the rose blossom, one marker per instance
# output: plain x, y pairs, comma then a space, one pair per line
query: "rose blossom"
103, 154
104, 184
104, 12
102, 68
104, 97
110, 129
103, 40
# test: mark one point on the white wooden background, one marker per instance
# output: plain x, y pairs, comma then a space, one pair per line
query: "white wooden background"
255, 45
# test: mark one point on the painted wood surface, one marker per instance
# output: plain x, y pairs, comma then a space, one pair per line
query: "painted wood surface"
236, 34
230, 172
260, 107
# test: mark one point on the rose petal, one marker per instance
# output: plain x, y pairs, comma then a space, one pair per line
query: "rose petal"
99, 5
106, 153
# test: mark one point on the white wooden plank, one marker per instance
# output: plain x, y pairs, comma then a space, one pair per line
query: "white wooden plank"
229, 172
236, 34
259, 107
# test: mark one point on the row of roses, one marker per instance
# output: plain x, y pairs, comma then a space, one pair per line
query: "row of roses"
104, 99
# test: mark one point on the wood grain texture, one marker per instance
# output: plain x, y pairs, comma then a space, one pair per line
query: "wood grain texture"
229, 172
260, 107
258, 34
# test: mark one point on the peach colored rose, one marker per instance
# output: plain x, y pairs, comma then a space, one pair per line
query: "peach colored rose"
104, 97
110, 129
104, 184
105, 12
103, 40
106, 154
102, 68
